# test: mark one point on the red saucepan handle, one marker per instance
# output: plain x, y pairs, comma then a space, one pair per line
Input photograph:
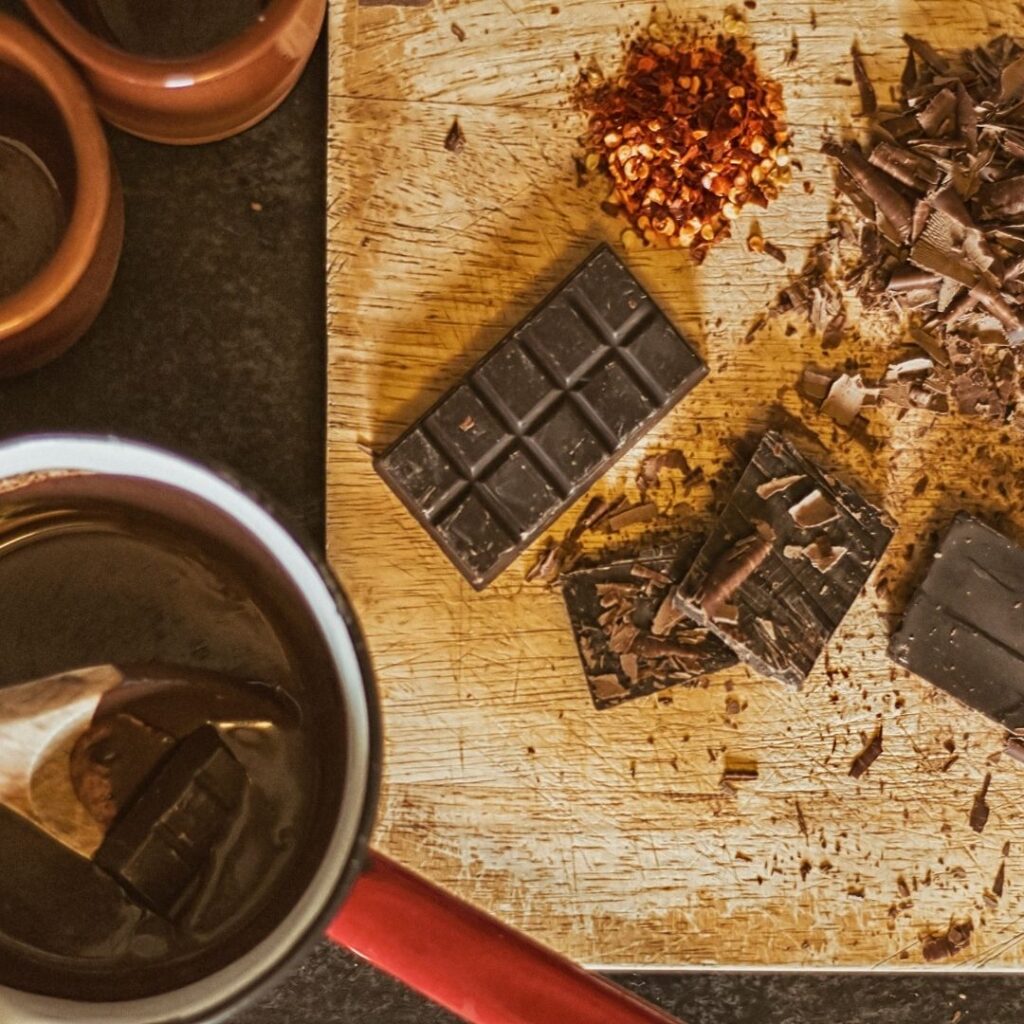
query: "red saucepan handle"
469, 962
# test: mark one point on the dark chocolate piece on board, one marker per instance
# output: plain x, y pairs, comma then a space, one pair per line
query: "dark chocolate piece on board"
754, 583
541, 417
963, 630
613, 609
162, 840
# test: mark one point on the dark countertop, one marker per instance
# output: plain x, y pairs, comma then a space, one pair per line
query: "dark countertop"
213, 344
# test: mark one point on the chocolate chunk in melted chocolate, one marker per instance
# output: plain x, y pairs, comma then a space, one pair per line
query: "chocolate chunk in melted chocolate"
160, 843
627, 644
777, 612
962, 630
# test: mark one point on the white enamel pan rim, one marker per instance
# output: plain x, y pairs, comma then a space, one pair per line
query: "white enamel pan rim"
211, 996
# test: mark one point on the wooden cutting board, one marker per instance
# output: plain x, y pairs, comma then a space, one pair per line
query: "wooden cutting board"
608, 835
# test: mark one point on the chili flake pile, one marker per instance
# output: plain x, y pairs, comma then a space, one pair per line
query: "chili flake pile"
690, 133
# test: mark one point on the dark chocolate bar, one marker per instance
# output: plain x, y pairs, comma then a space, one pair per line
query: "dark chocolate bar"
162, 840
541, 417
964, 627
627, 646
785, 561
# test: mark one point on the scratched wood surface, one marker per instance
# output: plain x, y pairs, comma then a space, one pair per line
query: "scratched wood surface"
608, 834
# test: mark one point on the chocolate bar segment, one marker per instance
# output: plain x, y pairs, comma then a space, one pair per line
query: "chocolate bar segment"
627, 647
963, 630
162, 840
540, 417
787, 558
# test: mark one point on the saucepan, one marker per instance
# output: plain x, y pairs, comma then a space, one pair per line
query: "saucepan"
453, 953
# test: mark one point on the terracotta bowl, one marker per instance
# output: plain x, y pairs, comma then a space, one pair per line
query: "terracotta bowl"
194, 99
47, 112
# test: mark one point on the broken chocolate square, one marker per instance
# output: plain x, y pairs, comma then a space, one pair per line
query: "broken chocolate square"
963, 630
541, 417
631, 642
784, 563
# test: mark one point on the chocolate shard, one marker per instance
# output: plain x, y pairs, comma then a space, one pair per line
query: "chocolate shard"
550, 409
1003, 198
775, 612
1011, 82
160, 843
631, 641
961, 630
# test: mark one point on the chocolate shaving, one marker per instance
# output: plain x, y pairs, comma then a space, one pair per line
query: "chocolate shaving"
728, 575
813, 510
877, 185
820, 553
845, 399
867, 757
666, 618
868, 100
777, 485
930, 230
927, 54
638, 513
607, 686
646, 573
1011, 81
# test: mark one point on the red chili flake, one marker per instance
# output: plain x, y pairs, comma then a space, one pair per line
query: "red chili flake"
689, 133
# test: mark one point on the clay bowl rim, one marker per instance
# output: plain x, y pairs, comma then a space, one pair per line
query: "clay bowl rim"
98, 56
28, 52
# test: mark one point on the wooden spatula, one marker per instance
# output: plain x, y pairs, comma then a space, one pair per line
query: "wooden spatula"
40, 722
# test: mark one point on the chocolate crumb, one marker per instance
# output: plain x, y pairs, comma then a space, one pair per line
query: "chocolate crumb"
739, 769
949, 943
455, 140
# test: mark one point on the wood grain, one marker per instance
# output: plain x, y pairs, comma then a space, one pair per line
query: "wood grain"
608, 835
